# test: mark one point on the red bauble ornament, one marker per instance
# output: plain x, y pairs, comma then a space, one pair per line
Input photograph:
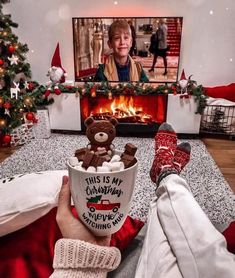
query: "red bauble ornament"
11, 49
7, 105
47, 93
30, 116
1, 62
6, 139
30, 86
57, 91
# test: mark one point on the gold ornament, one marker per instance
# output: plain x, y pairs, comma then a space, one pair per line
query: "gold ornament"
27, 101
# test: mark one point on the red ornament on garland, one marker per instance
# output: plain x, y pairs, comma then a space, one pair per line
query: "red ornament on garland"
6, 139
1, 62
57, 91
47, 93
11, 49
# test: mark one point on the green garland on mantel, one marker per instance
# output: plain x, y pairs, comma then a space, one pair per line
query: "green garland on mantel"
91, 89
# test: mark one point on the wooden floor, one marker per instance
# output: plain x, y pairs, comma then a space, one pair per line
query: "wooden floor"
222, 151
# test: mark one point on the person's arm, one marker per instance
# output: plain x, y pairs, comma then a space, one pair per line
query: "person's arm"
80, 253
76, 258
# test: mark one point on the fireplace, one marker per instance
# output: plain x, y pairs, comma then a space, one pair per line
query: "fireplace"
137, 115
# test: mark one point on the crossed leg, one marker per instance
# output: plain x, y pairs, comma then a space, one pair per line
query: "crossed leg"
180, 240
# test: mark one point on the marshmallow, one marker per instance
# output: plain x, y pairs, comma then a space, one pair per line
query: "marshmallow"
102, 169
117, 166
73, 161
91, 169
107, 164
115, 158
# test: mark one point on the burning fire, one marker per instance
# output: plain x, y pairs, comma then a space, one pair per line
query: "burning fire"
124, 110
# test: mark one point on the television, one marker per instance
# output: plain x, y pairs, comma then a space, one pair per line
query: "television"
90, 41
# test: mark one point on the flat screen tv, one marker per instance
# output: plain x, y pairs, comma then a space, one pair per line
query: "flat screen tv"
90, 40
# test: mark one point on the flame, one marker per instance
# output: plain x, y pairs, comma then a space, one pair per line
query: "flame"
123, 108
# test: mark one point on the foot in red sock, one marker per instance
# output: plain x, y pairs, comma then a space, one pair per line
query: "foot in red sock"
165, 146
182, 156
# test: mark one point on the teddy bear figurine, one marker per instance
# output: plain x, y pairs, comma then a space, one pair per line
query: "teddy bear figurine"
101, 134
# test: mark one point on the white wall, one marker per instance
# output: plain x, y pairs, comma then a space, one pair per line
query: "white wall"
208, 39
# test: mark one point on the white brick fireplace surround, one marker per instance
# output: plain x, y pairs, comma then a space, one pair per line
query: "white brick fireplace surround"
64, 114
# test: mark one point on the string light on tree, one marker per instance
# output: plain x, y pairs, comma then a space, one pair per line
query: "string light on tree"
2, 122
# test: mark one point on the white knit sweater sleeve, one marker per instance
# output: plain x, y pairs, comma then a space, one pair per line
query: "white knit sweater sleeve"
76, 258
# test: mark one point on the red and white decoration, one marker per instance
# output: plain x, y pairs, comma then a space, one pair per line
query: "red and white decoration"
22, 134
183, 83
42, 128
56, 72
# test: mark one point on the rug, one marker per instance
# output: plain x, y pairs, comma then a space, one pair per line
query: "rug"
202, 174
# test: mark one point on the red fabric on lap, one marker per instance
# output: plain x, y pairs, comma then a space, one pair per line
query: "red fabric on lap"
29, 252
127, 233
229, 234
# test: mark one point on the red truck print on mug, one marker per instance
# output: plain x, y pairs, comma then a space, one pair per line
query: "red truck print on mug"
103, 205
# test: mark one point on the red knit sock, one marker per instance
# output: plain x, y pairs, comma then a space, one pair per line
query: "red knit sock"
165, 146
182, 156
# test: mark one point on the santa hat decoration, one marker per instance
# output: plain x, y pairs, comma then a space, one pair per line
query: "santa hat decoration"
183, 82
56, 62
183, 77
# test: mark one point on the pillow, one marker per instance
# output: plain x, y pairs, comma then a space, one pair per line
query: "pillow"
25, 198
29, 252
227, 92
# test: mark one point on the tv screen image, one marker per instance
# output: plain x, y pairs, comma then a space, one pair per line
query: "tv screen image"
92, 47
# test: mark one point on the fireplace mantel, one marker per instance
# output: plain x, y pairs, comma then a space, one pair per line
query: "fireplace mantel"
65, 114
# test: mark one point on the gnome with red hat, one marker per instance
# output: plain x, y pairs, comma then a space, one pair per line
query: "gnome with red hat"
183, 83
56, 72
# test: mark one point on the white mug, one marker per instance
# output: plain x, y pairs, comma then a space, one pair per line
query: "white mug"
102, 200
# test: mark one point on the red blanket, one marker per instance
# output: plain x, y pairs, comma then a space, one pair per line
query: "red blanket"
28, 252
226, 92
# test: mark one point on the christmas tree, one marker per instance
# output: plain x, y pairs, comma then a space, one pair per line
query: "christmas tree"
18, 99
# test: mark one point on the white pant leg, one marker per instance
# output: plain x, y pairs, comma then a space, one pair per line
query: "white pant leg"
200, 249
156, 259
